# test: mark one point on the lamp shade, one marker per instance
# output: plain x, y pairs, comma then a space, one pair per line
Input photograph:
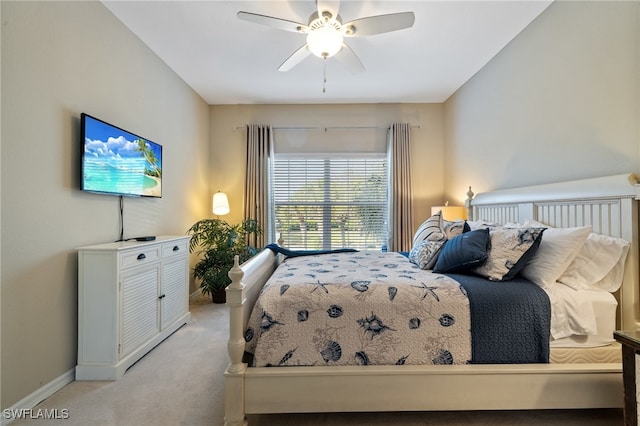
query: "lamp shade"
450, 213
220, 204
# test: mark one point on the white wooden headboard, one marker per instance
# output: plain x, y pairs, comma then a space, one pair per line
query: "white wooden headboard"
609, 204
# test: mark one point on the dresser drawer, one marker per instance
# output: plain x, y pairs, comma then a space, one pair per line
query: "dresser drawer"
175, 248
139, 257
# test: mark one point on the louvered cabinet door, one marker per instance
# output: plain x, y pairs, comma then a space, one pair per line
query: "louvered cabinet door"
139, 318
174, 300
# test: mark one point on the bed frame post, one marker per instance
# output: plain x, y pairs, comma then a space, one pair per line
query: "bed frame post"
468, 205
234, 375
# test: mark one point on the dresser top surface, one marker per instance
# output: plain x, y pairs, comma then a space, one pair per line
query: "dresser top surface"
127, 244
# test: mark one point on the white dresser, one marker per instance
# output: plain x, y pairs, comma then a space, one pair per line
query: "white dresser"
131, 296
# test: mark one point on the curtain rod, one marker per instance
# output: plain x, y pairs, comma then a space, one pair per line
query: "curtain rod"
325, 128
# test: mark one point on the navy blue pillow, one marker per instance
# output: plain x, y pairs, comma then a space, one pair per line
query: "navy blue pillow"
464, 252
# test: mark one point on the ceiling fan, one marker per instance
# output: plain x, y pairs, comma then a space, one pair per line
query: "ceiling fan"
326, 32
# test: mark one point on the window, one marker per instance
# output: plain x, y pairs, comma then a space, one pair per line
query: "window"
329, 202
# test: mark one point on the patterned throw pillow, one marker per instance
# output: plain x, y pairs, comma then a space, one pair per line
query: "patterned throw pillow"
481, 224
431, 229
453, 229
510, 250
425, 253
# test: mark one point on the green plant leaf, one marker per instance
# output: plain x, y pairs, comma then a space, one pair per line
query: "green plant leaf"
217, 242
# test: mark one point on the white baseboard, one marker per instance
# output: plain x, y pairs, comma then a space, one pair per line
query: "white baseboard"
33, 399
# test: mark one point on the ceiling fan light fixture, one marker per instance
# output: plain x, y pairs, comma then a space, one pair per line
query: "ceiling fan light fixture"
325, 38
325, 32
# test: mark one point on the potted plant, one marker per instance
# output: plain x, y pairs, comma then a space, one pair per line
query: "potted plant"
217, 243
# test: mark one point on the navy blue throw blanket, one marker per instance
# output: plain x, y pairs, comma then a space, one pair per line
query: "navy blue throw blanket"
295, 253
510, 321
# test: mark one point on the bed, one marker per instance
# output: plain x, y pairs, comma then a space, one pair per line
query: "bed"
586, 373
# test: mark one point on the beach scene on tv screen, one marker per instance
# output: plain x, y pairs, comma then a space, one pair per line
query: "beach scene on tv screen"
118, 162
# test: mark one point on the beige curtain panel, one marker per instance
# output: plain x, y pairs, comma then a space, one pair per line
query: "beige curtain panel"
257, 181
400, 193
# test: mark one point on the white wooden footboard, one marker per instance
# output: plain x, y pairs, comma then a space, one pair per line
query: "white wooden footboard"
609, 204
241, 297
436, 387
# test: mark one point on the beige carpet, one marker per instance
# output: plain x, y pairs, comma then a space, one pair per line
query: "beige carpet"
180, 382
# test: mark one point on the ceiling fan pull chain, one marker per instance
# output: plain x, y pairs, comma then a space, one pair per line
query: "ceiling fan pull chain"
324, 75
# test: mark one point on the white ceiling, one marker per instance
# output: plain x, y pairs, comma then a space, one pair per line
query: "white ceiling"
230, 61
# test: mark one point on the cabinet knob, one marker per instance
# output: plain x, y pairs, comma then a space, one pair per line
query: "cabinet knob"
176, 248
141, 256
162, 296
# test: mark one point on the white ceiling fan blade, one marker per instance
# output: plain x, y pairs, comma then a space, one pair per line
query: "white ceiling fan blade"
295, 58
270, 21
379, 24
332, 6
347, 57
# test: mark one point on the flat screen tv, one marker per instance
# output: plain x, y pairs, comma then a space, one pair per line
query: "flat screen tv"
118, 162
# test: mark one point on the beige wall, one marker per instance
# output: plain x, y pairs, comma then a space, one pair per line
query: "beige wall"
60, 59
560, 102
228, 142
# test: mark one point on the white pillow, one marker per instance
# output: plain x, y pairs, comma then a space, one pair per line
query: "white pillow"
595, 261
613, 280
558, 248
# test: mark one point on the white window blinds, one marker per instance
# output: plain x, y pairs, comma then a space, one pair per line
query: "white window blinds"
329, 202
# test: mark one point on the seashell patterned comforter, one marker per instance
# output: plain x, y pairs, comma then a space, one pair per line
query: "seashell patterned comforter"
359, 308
366, 308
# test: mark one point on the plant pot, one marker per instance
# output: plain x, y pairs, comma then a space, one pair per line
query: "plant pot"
219, 295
